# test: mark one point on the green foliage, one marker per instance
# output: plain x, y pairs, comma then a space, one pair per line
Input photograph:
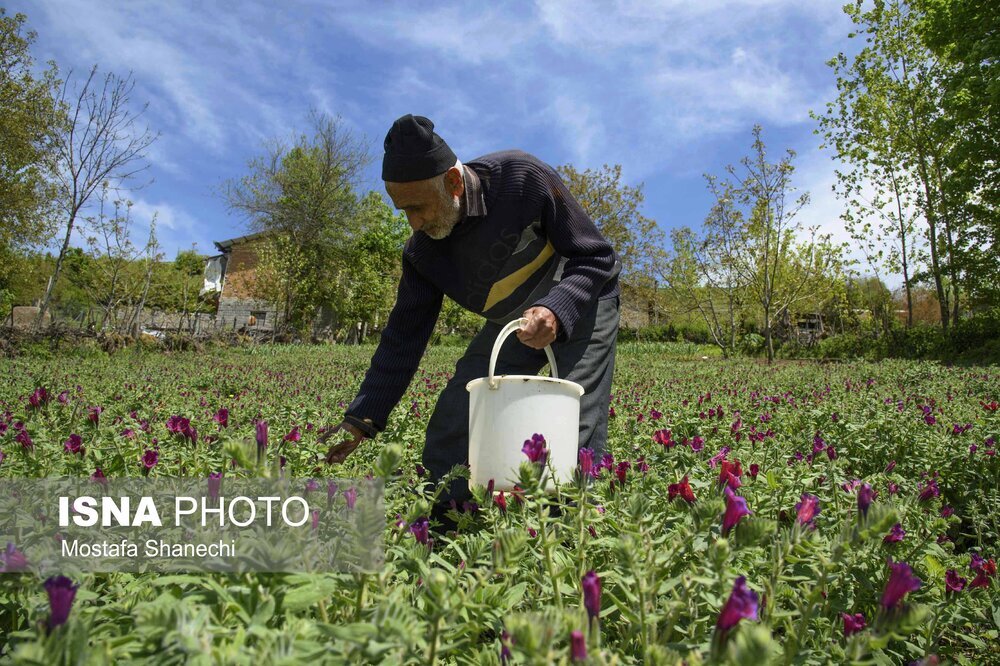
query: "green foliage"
665, 567
302, 194
615, 209
29, 124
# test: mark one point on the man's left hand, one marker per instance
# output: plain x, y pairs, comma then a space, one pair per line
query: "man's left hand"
541, 329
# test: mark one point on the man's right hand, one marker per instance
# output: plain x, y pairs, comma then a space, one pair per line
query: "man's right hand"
351, 437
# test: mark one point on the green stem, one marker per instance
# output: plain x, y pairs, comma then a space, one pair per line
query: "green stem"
546, 551
434, 641
362, 581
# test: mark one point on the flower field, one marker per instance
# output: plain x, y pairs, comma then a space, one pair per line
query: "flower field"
795, 514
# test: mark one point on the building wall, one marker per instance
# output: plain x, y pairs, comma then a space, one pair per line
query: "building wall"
236, 313
238, 282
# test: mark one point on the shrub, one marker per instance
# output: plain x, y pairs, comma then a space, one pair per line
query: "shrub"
920, 341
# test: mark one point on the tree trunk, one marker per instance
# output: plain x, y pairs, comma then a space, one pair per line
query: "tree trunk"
142, 303
902, 243
55, 274
768, 337
931, 216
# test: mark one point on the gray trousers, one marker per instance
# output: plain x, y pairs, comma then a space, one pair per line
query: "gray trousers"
587, 358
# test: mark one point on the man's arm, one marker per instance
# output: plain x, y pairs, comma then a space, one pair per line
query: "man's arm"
590, 260
411, 322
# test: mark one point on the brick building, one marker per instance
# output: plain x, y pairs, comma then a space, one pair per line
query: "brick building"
231, 274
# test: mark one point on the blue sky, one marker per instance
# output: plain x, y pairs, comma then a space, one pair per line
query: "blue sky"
669, 89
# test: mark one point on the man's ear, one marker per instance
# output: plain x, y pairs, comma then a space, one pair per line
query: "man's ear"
455, 181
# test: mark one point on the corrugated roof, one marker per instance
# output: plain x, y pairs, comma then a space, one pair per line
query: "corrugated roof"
225, 245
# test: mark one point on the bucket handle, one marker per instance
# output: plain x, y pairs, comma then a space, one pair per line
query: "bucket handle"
507, 330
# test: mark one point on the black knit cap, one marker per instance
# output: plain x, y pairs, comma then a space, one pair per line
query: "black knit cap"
413, 151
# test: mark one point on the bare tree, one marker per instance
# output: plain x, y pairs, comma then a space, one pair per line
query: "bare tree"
703, 271
116, 280
102, 143
153, 256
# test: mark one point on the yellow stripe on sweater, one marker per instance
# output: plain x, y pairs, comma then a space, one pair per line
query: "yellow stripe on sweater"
503, 288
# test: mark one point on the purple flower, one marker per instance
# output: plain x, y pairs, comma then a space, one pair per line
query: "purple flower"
315, 519
891, 466
865, 498
12, 559
607, 462
351, 496
621, 471
591, 584
730, 474
535, 449
294, 435
929, 491
741, 604
419, 529
895, 535
175, 424
953, 582
586, 459
807, 510
222, 417
853, 623
74, 444
261, 434
98, 476
682, 490
714, 461
63, 397
149, 459
577, 646
39, 398
61, 591
24, 439
736, 509
94, 414
505, 642
664, 438
214, 483
901, 581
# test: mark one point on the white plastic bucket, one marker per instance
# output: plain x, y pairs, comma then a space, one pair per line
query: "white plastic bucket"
506, 410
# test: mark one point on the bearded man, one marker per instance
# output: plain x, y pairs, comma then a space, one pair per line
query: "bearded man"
503, 237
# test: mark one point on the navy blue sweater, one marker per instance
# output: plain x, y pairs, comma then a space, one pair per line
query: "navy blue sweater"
524, 241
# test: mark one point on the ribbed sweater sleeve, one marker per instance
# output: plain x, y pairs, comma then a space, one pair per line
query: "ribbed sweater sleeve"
404, 338
590, 260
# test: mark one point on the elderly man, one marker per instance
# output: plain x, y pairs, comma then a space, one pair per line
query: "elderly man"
503, 237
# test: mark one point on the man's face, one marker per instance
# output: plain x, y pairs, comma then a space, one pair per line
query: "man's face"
428, 206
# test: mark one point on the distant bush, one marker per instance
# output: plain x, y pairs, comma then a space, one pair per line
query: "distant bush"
751, 344
920, 341
979, 330
695, 332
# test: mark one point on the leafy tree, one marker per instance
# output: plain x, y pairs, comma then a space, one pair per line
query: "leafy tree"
781, 271
175, 285
614, 207
29, 123
888, 126
371, 270
303, 194
966, 34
